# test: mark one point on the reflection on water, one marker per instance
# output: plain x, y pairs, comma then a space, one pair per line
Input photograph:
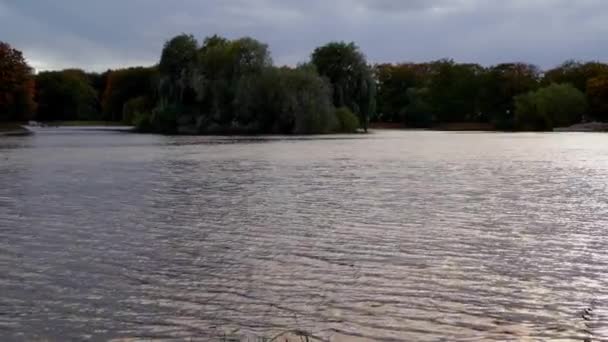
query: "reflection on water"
420, 236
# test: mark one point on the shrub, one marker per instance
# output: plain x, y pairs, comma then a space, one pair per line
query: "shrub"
347, 121
143, 122
162, 119
133, 107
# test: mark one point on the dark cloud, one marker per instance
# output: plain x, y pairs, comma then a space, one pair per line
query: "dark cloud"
110, 33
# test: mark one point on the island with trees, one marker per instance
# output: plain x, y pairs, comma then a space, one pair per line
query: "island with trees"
223, 86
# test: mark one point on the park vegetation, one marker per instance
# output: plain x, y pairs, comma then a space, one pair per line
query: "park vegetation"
223, 86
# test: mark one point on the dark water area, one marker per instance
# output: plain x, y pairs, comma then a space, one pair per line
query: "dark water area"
391, 236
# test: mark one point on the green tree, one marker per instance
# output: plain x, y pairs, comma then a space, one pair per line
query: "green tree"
65, 95
285, 100
351, 78
306, 101
393, 83
179, 54
98, 81
597, 93
419, 111
500, 85
454, 91
125, 84
557, 105
220, 67
177, 61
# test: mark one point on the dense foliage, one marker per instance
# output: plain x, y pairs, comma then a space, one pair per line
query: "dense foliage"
597, 92
16, 85
65, 95
422, 95
557, 105
351, 78
220, 86
231, 86
123, 85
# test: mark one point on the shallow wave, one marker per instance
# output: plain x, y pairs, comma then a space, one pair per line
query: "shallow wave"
420, 236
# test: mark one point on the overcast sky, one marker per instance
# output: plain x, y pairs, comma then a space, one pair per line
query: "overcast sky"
101, 34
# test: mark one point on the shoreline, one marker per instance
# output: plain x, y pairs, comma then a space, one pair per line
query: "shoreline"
589, 127
16, 129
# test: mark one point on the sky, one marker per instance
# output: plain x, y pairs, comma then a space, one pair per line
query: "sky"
100, 34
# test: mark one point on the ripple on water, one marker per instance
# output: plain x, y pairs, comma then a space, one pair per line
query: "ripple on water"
393, 236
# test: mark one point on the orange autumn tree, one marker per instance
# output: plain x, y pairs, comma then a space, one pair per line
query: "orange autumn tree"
16, 85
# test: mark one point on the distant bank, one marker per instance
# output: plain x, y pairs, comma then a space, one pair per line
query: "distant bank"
476, 126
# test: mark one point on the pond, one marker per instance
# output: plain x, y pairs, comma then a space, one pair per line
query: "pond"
394, 235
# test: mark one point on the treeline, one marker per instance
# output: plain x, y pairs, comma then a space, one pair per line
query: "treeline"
231, 86
70, 94
508, 96
218, 86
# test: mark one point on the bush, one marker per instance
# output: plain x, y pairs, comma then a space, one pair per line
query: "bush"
162, 119
133, 107
528, 115
557, 105
143, 122
347, 122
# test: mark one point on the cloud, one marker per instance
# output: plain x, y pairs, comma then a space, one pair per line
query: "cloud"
96, 35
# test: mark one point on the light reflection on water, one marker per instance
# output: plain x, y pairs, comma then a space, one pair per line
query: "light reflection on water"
421, 236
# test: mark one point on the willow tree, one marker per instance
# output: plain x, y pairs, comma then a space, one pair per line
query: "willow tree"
178, 57
220, 66
350, 76
286, 100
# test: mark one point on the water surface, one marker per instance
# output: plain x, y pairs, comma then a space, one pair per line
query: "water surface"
420, 236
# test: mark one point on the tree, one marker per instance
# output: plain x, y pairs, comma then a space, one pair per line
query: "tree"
285, 100
235, 89
597, 93
393, 83
178, 58
306, 101
178, 54
575, 73
557, 105
220, 67
500, 85
454, 91
65, 95
16, 85
351, 78
125, 84
419, 112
